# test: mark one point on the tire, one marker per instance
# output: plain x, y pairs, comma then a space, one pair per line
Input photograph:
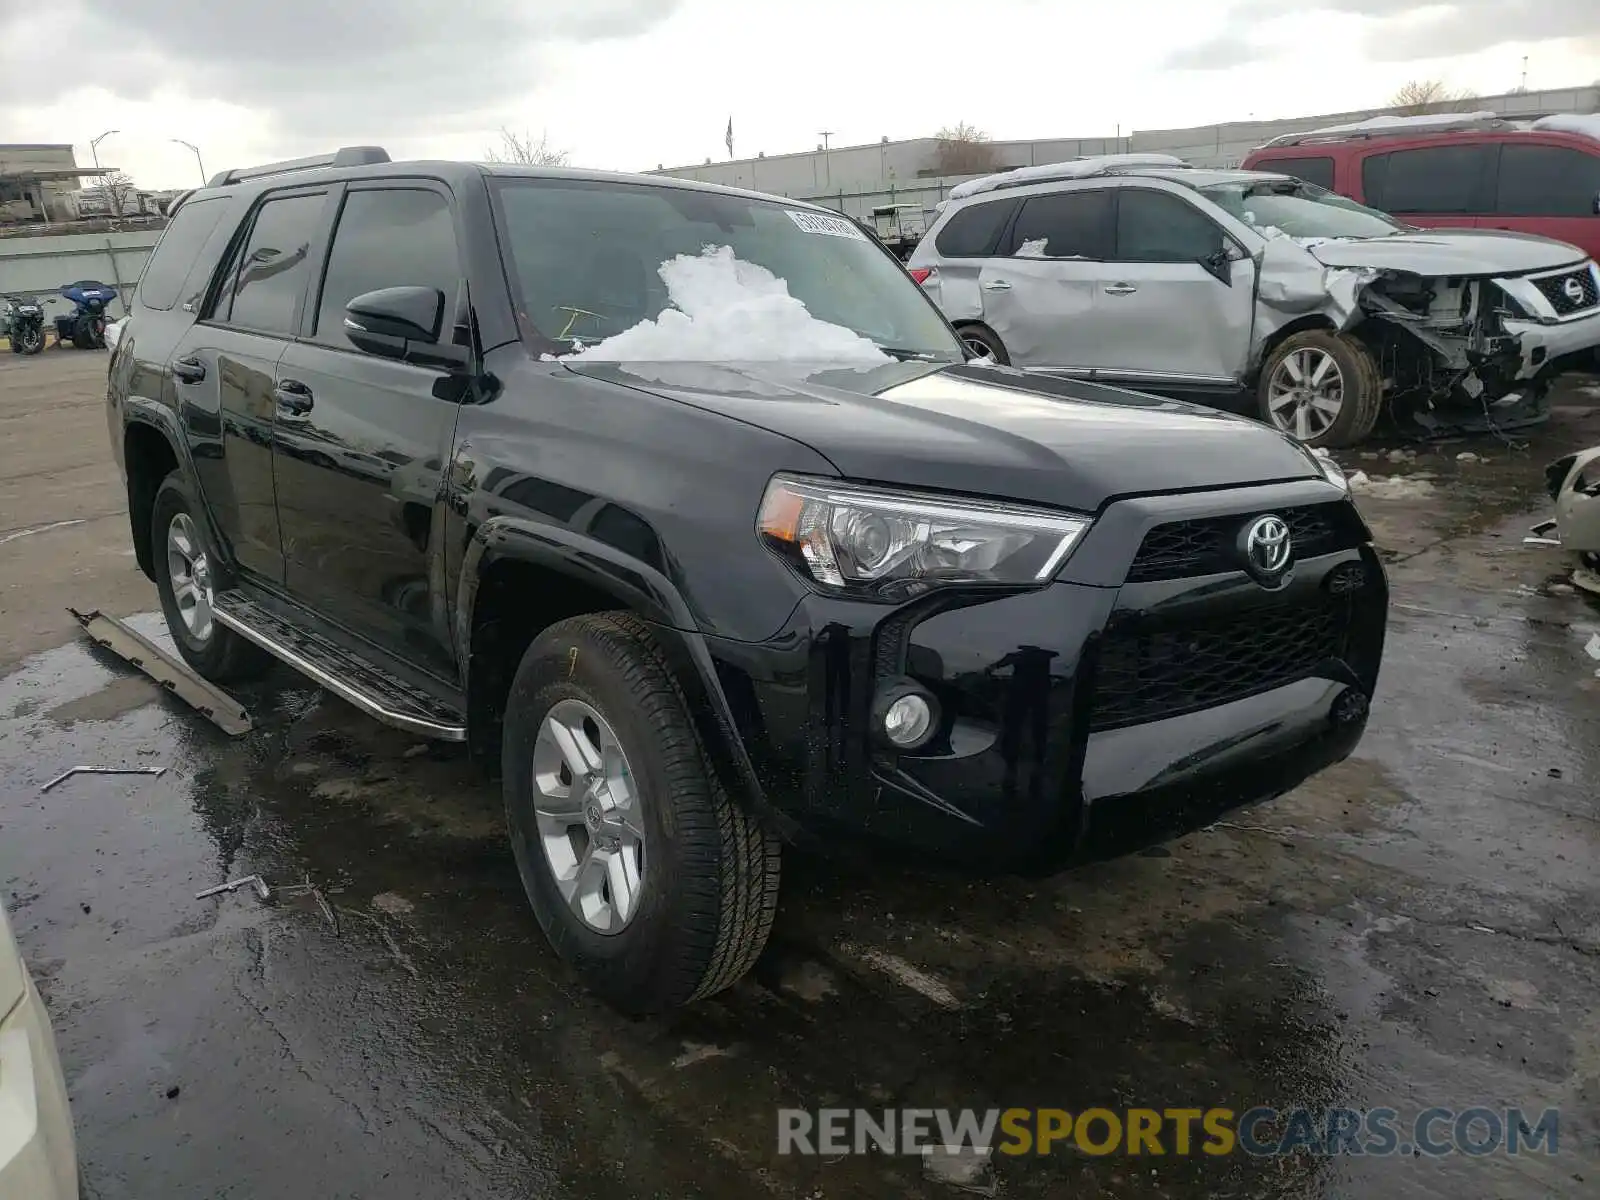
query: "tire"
985, 341
1358, 385
218, 654
706, 888
83, 333
32, 340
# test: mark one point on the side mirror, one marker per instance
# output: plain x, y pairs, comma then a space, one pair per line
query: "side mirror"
1220, 263
392, 322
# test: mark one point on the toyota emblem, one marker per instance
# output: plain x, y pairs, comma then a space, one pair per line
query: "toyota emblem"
1267, 548
1574, 289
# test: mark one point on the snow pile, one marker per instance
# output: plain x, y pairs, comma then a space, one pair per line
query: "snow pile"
727, 309
1033, 249
1587, 124
1395, 487
1389, 124
1073, 168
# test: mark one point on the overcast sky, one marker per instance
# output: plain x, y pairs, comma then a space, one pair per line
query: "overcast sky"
628, 84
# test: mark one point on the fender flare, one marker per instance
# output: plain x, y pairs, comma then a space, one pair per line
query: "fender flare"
649, 595
141, 410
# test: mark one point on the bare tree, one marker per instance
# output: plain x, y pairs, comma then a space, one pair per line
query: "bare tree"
119, 193
526, 150
964, 149
1430, 95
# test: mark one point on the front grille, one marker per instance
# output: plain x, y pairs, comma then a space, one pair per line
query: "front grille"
1206, 546
1151, 673
1555, 289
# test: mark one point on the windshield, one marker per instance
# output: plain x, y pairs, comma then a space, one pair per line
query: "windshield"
701, 276
1301, 210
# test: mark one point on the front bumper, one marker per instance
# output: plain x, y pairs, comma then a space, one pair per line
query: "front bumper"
1047, 753
1547, 348
37, 1152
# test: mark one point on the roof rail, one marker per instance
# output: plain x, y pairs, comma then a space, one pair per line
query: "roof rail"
347, 156
1396, 126
1073, 168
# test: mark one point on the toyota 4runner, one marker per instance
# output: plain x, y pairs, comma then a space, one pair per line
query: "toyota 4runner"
681, 507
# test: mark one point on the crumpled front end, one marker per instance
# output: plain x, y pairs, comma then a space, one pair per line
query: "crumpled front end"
1463, 352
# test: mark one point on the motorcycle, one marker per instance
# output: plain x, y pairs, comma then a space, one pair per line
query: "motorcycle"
24, 325
85, 325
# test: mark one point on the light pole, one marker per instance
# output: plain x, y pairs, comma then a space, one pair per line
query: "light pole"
827, 159
94, 146
195, 150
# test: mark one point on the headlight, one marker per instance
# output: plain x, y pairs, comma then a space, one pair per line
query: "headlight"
1331, 470
890, 545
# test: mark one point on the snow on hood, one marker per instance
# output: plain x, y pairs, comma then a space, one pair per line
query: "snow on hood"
727, 309
1450, 252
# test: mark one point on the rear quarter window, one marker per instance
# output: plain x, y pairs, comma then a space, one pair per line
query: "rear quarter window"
974, 231
1546, 181
174, 256
1317, 170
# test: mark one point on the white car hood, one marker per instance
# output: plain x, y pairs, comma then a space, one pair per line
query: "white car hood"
1450, 252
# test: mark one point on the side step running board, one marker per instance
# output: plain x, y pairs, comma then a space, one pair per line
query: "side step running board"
347, 675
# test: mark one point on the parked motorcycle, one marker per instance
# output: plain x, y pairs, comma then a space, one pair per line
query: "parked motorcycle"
85, 325
24, 325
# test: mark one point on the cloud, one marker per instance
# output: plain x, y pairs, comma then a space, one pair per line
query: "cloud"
1217, 53
1397, 30
312, 66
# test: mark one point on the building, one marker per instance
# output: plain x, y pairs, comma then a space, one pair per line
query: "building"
857, 179
37, 181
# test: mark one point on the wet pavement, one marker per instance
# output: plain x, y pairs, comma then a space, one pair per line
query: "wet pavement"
1418, 926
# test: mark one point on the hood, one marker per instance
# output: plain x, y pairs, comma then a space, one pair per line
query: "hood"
982, 431
1450, 252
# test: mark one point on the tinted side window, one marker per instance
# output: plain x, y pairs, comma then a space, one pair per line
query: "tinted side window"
272, 267
1437, 179
1065, 225
175, 253
1156, 227
1547, 181
1313, 170
388, 238
973, 231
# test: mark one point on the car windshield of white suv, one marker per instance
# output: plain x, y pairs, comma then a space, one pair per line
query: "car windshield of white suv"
1301, 210
629, 272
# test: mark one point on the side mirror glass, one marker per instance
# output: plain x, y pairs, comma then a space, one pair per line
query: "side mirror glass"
393, 322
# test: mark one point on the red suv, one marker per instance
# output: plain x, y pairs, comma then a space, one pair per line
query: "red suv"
1473, 172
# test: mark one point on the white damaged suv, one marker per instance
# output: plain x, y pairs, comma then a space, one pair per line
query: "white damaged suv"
1209, 284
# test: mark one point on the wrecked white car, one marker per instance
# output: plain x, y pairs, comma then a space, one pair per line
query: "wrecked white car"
1214, 284
1574, 485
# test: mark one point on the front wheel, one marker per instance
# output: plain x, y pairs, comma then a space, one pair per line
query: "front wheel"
185, 581
1321, 388
31, 338
984, 342
643, 872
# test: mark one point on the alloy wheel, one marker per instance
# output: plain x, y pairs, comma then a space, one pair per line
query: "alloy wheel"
589, 816
190, 573
1306, 393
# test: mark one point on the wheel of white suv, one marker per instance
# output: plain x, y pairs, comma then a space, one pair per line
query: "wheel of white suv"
1321, 388
981, 340
185, 578
643, 872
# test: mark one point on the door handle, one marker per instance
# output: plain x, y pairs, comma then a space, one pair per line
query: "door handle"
1121, 289
997, 285
294, 397
188, 370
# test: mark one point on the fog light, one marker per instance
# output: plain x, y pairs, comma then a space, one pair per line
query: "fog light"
908, 721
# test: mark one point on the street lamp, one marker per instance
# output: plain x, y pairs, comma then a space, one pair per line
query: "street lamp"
195, 150
94, 145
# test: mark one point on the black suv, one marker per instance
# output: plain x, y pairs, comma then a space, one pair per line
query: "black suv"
682, 508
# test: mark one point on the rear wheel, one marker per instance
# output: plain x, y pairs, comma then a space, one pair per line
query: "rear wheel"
982, 340
1321, 388
185, 580
643, 872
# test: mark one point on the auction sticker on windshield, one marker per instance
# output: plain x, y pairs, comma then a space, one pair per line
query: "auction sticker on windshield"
831, 226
